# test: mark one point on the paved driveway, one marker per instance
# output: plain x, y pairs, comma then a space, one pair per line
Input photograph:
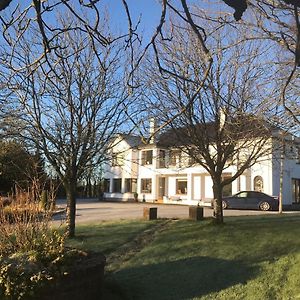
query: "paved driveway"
94, 211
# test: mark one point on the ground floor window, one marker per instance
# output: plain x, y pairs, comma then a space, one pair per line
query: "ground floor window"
296, 190
258, 184
130, 185
227, 189
181, 186
146, 185
106, 185
117, 185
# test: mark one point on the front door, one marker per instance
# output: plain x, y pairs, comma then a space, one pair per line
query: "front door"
161, 188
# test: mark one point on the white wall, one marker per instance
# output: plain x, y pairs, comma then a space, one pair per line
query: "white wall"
209, 194
199, 182
197, 188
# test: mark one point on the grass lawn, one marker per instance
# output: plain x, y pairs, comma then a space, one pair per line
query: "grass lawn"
247, 258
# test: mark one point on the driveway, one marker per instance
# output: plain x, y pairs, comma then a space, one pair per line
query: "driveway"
89, 211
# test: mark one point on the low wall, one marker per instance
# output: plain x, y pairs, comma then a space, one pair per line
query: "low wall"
84, 280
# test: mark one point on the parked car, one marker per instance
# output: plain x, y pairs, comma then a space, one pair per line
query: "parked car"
251, 200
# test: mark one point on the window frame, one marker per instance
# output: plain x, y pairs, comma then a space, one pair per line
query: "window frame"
114, 185
178, 180
145, 183
162, 163
147, 161
175, 157
117, 159
106, 185
130, 188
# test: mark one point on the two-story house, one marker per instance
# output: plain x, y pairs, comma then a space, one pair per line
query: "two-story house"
156, 172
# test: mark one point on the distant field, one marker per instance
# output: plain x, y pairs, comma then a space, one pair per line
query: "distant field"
247, 258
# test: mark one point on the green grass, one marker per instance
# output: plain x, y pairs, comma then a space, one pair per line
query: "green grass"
247, 258
107, 236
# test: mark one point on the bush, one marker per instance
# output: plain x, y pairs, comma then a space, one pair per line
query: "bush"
31, 254
23, 273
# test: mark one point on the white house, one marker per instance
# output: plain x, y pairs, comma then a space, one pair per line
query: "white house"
157, 173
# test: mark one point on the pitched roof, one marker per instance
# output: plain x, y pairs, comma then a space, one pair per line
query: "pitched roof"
245, 127
131, 140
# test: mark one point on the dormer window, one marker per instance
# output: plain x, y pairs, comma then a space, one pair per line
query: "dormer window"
147, 157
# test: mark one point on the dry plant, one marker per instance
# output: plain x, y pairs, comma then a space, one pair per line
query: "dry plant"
25, 223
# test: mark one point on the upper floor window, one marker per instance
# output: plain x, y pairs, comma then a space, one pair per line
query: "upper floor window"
175, 158
147, 157
118, 159
162, 159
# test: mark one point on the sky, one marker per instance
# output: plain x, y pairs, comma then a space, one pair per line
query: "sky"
148, 11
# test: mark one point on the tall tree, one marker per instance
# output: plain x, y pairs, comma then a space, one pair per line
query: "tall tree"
70, 106
221, 126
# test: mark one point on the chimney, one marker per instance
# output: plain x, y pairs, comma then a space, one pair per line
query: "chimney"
152, 129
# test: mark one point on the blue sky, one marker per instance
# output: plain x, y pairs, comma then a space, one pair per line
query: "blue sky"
148, 10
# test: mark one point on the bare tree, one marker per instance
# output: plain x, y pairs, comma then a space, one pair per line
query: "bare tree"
17, 20
71, 106
223, 124
88, 14
277, 22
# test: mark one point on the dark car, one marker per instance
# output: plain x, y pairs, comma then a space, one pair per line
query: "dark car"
250, 200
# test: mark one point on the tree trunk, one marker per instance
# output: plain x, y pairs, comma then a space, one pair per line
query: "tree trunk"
71, 207
218, 210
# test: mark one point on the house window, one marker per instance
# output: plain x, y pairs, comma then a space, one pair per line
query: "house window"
146, 185
227, 189
117, 185
147, 157
162, 159
175, 158
258, 184
181, 186
130, 185
117, 160
106, 185
296, 190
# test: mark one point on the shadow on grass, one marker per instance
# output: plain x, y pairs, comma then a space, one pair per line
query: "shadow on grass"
182, 279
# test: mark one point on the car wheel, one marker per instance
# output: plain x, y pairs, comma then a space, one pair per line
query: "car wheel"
224, 204
264, 206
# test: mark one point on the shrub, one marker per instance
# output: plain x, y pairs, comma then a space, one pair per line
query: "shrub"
31, 254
